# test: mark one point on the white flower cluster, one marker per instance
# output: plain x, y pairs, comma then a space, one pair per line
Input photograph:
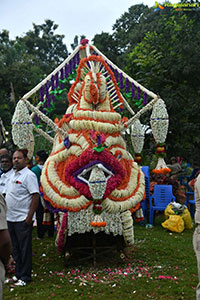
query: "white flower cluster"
161, 164
79, 222
159, 121
117, 224
22, 128
137, 137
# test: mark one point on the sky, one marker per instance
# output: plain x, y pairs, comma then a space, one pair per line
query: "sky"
80, 17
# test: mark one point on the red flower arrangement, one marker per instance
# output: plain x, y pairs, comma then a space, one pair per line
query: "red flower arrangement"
60, 242
96, 157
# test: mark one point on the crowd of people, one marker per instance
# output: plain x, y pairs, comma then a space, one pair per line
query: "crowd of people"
20, 205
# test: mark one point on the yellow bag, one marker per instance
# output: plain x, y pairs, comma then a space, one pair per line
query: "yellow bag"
175, 223
169, 211
187, 219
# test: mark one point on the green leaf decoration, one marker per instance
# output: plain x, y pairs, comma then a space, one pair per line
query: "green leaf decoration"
139, 102
127, 95
52, 105
53, 92
63, 80
99, 148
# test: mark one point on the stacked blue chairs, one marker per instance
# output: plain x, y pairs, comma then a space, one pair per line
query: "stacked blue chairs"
145, 202
161, 197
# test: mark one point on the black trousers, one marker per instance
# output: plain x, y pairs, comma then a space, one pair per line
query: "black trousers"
21, 237
39, 218
41, 228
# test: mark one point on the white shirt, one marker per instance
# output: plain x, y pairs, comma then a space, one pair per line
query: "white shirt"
19, 192
197, 199
4, 179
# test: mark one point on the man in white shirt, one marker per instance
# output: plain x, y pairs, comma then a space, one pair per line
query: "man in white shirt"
22, 198
7, 169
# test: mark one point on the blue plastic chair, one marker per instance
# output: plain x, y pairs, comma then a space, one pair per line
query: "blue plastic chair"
145, 202
162, 196
190, 202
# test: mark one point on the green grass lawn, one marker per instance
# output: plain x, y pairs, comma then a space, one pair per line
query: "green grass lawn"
161, 265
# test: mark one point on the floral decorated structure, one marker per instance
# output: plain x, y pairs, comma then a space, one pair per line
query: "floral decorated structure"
89, 179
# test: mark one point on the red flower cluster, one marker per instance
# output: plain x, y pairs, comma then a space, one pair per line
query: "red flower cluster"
84, 160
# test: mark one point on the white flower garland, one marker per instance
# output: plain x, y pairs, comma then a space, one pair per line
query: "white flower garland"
127, 225
22, 128
137, 137
93, 125
127, 192
159, 121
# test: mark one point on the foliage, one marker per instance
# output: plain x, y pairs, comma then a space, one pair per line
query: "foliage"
165, 62
41, 143
164, 179
160, 50
44, 46
170, 274
25, 61
127, 29
107, 45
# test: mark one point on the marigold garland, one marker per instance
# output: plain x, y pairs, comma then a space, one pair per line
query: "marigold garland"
163, 171
98, 224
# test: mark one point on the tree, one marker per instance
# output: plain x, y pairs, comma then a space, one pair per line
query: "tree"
44, 46
166, 62
107, 45
25, 61
129, 28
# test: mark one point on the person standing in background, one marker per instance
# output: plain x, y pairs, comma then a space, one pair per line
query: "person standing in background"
22, 198
175, 167
2, 152
5, 244
41, 157
7, 168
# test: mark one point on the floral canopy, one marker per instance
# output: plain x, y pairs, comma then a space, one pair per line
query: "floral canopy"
90, 178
